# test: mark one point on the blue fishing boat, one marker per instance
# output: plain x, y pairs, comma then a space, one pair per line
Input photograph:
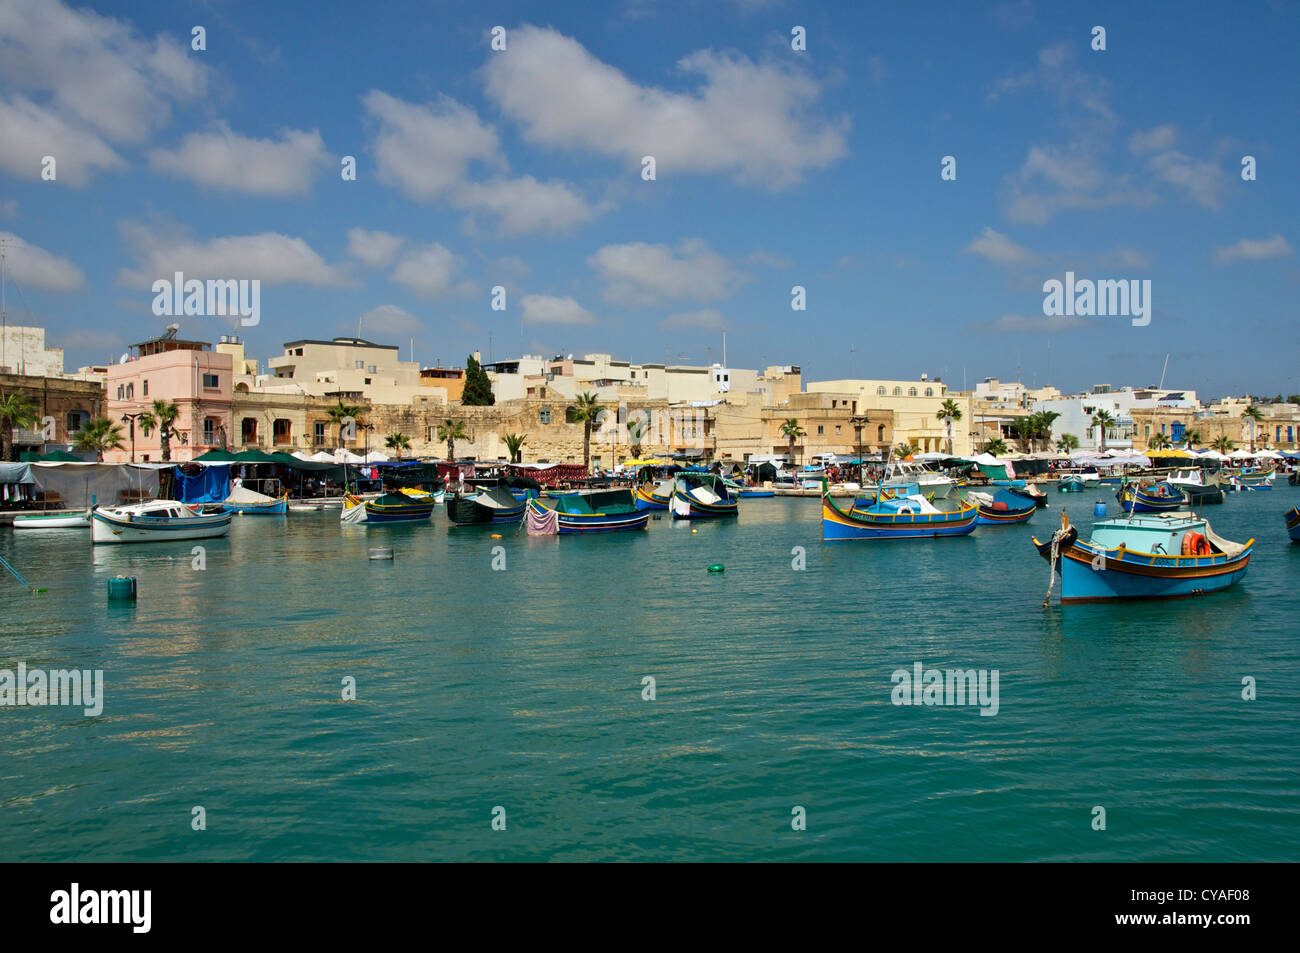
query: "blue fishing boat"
702, 496
599, 511
491, 505
1070, 484
1155, 556
753, 493
907, 517
651, 497
251, 503
1151, 498
1002, 508
1293, 523
402, 506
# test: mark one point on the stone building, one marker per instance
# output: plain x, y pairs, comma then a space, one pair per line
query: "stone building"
63, 406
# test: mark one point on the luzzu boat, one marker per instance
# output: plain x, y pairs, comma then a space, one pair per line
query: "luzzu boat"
492, 505
649, 497
1070, 484
702, 496
400, 506
154, 521
755, 493
251, 503
1156, 556
908, 517
1152, 498
600, 511
1293, 524
1002, 508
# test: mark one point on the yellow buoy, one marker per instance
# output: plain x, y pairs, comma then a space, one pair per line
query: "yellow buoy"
496, 535
695, 531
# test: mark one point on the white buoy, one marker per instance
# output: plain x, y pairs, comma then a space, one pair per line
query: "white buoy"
381, 552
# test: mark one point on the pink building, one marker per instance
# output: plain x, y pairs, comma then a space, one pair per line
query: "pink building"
187, 373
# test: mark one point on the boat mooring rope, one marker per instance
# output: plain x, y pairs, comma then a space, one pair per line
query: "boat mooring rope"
1057, 538
17, 575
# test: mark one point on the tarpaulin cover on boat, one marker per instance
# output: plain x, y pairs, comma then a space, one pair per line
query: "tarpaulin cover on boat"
209, 486
110, 484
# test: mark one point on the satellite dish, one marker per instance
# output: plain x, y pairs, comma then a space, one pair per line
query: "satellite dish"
124, 358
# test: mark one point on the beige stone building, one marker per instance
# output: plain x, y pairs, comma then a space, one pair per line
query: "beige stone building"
915, 407
350, 369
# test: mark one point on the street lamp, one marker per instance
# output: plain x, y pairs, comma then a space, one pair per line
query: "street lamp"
858, 423
130, 419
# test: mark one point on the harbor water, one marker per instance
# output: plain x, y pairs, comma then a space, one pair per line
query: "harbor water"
506, 679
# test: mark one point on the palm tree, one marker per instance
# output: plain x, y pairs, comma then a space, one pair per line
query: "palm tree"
1191, 437
586, 408
792, 432
99, 435
906, 450
340, 414
1222, 443
635, 434
996, 447
16, 410
1067, 442
397, 442
451, 431
515, 445
1023, 428
1256, 417
1159, 441
160, 416
1102, 419
1041, 423
949, 412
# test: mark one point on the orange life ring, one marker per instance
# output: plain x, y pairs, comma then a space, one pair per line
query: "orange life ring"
1195, 544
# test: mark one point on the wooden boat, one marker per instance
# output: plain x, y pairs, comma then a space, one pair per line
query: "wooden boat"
599, 511
401, 506
251, 503
1029, 492
1292, 517
754, 493
491, 505
1155, 556
306, 507
648, 497
59, 519
1151, 498
1002, 508
702, 496
155, 521
1070, 484
909, 517
1259, 479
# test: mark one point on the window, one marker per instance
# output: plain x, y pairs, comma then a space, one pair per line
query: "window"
1176, 431
911, 392
298, 352
145, 389
318, 432
360, 364
880, 433
370, 369
898, 392
544, 415
120, 391
75, 420
820, 430
367, 380
282, 431
570, 415
211, 382
209, 430
248, 430
130, 391
881, 391
929, 392
837, 428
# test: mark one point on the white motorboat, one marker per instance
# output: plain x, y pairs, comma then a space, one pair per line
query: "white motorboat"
155, 521
936, 486
59, 519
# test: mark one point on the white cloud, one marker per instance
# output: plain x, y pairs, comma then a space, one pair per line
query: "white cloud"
1057, 74
754, 122
524, 205
429, 271
545, 309
1200, 179
425, 150
373, 249
31, 266
29, 132
390, 319
1035, 324
270, 257
1155, 139
1249, 249
707, 319
999, 249
1053, 179
228, 160
637, 273
96, 69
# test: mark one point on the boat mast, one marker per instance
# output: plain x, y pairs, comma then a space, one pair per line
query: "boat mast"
4, 315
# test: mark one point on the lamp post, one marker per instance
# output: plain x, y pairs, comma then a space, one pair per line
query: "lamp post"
858, 423
130, 419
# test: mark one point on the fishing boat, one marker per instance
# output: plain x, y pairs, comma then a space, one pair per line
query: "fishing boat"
1292, 517
1196, 487
1155, 556
754, 493
251, 503
1259, 479
1070, 484
154, 521
1151, 498
1001, 508
936, 486
650, 497
1029, 492
1293, 478
908, 517
306, 507
597, 511
60, 519
494, 504
399, 506
702, 496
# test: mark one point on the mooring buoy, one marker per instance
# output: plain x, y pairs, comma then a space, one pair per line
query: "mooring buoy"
381, 552
122, 587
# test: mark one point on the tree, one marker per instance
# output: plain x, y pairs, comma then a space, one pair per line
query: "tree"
451, 431
996, 447
1222, 443
1191, 437
1256, 417
1023, 428
906, 450
1159, 441
792, 432
100, 435
635, 434
948, 413
1041, 424
160, 416
1067, 442
1102, 419
586, 408
397, 442
16, 411
341, 415
478, 389
515, 446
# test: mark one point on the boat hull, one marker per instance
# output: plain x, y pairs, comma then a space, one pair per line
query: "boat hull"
53, 521
1134, 500
585, 523
991, 517
755, 494
645, 499
274, 508
1293, 524
687, 507
839, 526
465, 512
108, 529
1090, 573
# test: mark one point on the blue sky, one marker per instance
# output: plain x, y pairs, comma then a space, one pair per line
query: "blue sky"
775, 168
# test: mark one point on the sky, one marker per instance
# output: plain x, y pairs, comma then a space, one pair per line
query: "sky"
774, 167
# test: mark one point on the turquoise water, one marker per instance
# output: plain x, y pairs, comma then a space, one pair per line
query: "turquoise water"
522, 689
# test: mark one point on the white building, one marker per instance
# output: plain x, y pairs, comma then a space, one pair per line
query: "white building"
1077, 411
